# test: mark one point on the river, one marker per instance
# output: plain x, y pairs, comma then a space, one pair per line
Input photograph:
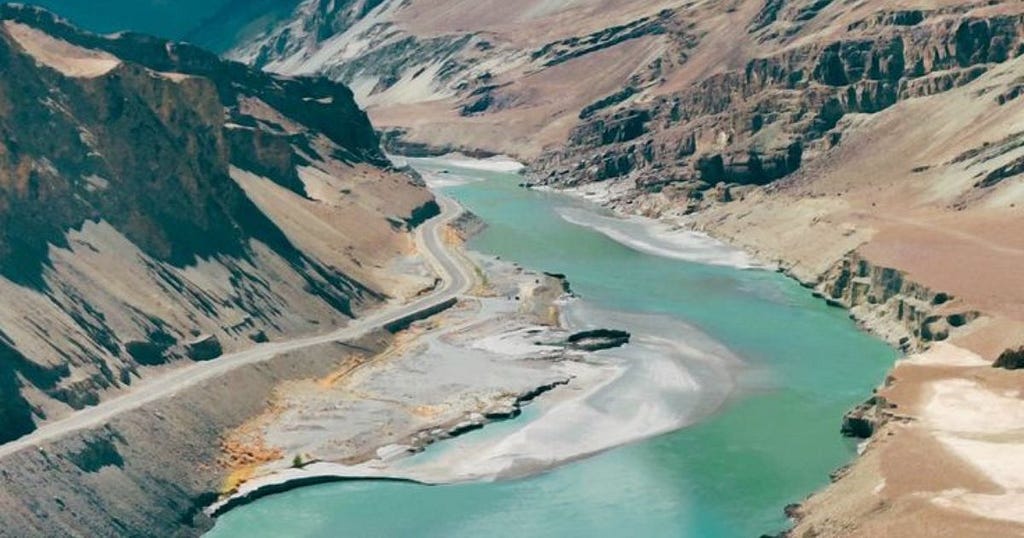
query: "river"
773, 442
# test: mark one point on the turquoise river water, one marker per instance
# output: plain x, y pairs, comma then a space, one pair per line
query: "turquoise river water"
728, 476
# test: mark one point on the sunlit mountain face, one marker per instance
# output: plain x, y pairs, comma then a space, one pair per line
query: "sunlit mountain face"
214, 24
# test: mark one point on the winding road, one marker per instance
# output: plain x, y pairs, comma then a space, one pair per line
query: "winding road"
456, 278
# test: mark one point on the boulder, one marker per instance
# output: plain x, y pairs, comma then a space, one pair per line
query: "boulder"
204, 348
1011, 359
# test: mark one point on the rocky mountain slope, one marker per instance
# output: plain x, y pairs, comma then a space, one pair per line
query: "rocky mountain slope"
162, 205
872, 149
497, 76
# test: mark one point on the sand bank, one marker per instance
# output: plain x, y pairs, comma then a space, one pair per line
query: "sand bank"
483, 361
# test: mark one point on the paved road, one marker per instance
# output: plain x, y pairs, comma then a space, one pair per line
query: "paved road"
456, 280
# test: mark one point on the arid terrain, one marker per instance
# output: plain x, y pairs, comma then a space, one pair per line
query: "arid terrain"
873, 150
213, 277
168, 217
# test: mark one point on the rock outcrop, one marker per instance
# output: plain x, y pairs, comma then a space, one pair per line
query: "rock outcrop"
759, 122
884, 299
1011, 359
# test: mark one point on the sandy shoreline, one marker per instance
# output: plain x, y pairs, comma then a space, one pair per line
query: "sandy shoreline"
929, 423
483, 354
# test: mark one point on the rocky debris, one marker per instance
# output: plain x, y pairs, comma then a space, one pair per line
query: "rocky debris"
862, 421
598, 339
1011, 359
204, 348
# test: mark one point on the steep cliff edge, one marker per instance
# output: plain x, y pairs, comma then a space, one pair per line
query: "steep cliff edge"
158, 206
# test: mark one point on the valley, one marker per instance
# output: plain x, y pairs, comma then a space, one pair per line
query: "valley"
867, 149
758, 272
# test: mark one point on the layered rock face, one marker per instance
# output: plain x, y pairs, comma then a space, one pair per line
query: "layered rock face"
148, 193
759, 122
490, 76
673, 94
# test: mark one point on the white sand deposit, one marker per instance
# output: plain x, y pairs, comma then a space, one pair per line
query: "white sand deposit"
478, 356
660, 238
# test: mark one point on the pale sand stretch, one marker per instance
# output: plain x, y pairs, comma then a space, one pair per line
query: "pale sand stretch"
658, 383
475, 359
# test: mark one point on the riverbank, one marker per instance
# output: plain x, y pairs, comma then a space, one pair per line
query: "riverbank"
507, 344
730, 460
951, 330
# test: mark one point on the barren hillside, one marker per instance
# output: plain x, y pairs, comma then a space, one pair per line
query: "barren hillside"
161, 205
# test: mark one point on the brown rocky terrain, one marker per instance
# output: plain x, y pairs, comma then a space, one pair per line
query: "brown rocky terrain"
872, 149
161, 206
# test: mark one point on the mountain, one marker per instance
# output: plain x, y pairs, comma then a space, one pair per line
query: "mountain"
161, 205
489, 75
871, 149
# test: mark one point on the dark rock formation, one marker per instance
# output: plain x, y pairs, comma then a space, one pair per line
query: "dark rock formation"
422, 214
862, 421
599, 339
761, 122
1011, 359
994, 177
204, 348
561, 51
